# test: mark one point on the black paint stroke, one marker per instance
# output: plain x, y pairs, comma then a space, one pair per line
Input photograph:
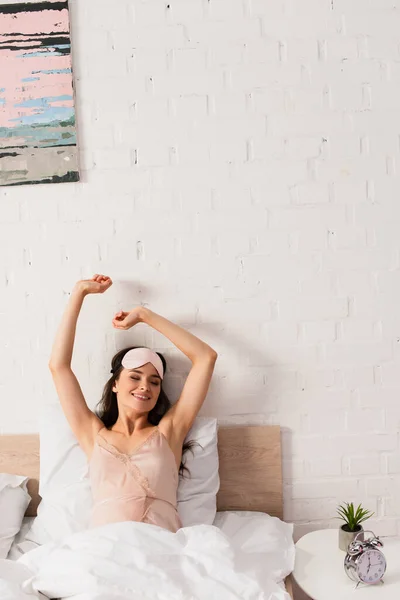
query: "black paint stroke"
33, 35
23, 48
5, 154
12, 9
44, 41
69, 177
26, 147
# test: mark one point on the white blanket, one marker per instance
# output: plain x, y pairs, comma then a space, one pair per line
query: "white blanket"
245, 557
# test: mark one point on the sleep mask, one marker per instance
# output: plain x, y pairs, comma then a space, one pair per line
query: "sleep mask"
141, 356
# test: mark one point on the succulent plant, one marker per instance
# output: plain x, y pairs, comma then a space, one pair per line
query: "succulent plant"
351, 516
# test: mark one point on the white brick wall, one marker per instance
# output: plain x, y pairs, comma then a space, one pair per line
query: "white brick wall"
240, 175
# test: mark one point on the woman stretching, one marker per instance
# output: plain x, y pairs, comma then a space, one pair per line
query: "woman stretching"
134, 443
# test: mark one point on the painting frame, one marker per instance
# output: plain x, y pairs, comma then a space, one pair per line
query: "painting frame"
38, 137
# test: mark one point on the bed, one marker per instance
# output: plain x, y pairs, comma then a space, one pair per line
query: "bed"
250, 469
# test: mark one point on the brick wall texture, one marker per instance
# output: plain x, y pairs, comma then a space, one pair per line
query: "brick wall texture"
240, 176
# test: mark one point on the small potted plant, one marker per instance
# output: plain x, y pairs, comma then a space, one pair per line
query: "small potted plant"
352, 523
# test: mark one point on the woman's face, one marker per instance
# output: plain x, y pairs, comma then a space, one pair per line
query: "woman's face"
138, 389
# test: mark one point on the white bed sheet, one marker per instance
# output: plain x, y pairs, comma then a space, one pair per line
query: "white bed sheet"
243, 556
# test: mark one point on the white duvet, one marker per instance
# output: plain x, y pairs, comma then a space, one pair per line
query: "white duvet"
244, 556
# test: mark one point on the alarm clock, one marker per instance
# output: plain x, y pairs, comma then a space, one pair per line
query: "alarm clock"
364, 561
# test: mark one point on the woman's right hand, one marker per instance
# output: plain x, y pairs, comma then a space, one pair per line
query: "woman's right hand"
97, 285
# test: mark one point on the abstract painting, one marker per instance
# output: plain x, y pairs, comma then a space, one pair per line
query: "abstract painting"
37, 115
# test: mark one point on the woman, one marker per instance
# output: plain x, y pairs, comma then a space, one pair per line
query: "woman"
134, 447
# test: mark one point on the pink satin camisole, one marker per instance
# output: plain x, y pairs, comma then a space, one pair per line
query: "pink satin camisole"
139, 486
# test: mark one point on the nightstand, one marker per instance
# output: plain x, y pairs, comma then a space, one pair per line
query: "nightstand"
319, 571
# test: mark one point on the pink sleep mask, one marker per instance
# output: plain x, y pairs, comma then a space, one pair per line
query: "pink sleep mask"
141, 356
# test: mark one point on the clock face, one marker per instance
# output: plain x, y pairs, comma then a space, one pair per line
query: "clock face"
371, 566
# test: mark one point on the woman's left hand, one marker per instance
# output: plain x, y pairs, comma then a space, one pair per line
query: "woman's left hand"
126, 320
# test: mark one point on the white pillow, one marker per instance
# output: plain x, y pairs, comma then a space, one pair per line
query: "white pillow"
197, 490
64, 480
14, 500
65, 488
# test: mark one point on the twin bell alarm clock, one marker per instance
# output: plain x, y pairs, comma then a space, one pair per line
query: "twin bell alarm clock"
364, 561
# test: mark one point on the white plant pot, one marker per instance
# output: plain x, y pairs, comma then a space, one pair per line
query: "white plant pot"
347, 537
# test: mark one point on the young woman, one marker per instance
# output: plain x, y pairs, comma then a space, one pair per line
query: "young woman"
135, 441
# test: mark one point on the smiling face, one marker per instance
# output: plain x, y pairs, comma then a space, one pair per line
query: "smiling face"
138, 389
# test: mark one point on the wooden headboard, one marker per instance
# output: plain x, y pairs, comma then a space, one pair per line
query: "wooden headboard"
19, 454
250, 467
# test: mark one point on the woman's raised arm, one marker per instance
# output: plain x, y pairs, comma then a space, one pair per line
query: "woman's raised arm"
83, 422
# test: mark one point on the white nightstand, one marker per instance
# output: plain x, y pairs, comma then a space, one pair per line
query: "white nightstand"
319, 571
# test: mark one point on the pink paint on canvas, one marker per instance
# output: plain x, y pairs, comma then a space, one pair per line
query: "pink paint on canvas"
18, 69
35, 22
30, 61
